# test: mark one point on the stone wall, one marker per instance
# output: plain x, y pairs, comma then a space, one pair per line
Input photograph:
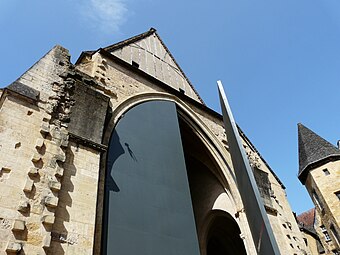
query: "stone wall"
48, 192
55, 124
324, 181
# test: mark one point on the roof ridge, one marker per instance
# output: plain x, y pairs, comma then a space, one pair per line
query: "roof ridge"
130, 40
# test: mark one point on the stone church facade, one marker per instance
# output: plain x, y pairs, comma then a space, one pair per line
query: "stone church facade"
58, 133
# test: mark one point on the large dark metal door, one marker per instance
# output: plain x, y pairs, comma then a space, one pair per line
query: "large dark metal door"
148, 207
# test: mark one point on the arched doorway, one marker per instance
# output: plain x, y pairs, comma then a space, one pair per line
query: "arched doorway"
217, 230
160, 180
223, 236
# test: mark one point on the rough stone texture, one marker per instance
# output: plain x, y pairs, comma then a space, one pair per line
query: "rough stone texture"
52, 155
87, 119
125, 84
328, 210
43, 74
33, 138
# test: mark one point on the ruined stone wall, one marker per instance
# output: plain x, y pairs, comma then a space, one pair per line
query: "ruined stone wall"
48, 184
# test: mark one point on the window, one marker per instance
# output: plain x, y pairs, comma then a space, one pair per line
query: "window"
324, 231
306, 242
327, 237
335, 252
325, 171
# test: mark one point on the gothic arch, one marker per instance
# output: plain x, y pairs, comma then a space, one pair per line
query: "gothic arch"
218, 166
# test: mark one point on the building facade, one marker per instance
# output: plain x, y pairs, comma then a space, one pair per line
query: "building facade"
118, 154
319, 171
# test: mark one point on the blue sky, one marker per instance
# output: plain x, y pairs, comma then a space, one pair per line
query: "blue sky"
279, 60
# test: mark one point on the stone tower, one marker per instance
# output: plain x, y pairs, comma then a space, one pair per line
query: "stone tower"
319, 171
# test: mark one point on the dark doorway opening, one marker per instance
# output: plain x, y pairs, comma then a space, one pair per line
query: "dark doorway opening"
224, 236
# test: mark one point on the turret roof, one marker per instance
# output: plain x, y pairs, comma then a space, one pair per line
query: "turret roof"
313, 150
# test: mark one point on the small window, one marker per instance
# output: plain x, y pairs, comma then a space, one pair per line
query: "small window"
288, 236
325, 171
289, 225
327, 237
324, 231
306, 242
335, 252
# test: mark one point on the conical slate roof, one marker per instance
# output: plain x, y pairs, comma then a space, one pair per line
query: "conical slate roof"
313, 149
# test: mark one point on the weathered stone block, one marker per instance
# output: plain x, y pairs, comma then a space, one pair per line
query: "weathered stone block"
51, 201
44, 128
19, 225
54, 185
59, 172
29, 185
48, 219
33, 171
47, 241
61, 156
39, 143
24, 206
14, 247
36, 157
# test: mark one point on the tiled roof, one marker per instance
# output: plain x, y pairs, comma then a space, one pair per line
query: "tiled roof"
313, 149
306, 219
